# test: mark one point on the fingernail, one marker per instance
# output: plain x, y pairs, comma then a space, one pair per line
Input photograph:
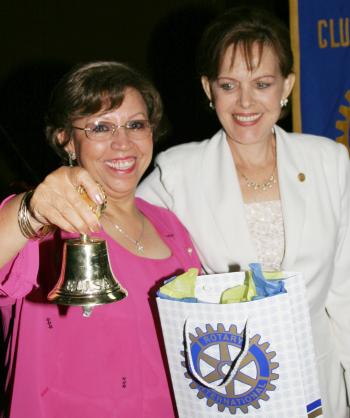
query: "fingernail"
98, 198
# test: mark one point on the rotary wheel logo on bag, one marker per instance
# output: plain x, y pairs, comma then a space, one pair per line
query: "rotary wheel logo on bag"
213, 353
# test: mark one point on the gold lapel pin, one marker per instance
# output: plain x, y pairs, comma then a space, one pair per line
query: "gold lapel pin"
301, 177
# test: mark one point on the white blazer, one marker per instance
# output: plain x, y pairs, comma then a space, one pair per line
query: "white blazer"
198, 181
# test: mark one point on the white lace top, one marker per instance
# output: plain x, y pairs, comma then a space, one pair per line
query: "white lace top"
265, 222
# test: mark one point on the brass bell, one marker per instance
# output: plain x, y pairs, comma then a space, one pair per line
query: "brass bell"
86, 278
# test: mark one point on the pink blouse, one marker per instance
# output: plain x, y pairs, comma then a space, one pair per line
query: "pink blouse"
112, 364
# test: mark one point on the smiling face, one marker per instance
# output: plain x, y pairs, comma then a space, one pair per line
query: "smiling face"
248, 103
119, 162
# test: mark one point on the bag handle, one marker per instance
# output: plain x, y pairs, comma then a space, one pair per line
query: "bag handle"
233, 370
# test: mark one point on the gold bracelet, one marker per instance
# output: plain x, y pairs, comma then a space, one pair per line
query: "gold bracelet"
24, 222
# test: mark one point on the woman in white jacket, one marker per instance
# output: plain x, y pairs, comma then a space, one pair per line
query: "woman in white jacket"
256, 193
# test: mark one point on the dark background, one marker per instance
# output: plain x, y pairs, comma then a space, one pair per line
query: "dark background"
42, 39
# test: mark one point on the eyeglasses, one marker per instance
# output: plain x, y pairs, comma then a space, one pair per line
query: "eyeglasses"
103, 131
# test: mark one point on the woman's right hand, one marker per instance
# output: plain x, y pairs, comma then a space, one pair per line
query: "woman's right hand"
56, 201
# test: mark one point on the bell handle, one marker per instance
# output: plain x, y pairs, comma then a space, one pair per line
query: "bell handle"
84, 238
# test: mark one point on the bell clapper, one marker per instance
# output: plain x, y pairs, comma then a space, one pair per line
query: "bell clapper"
87, 311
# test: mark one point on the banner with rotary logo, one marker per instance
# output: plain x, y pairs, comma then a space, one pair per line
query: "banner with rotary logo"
320, 33
253, 358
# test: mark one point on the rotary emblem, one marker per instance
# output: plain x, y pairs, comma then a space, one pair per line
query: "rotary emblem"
344, 124
213, 353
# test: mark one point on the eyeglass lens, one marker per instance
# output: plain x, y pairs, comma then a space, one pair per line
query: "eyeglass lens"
104, 130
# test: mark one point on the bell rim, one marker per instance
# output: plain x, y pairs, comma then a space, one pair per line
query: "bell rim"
71, 299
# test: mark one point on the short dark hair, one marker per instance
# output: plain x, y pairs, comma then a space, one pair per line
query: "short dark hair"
88, 88
243, 27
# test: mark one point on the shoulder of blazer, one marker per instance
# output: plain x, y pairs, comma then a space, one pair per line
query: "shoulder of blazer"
185, 155
312, 146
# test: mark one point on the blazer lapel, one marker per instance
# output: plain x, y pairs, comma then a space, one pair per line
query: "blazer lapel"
225, 203
293, 181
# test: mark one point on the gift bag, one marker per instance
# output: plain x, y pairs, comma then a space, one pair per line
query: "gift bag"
253, 359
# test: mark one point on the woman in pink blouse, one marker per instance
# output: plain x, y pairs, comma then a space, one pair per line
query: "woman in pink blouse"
103, 118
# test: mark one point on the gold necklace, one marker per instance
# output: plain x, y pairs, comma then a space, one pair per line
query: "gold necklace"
260, 187
266, 184
137, 242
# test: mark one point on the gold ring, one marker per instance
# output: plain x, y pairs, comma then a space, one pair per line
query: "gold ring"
94, 207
